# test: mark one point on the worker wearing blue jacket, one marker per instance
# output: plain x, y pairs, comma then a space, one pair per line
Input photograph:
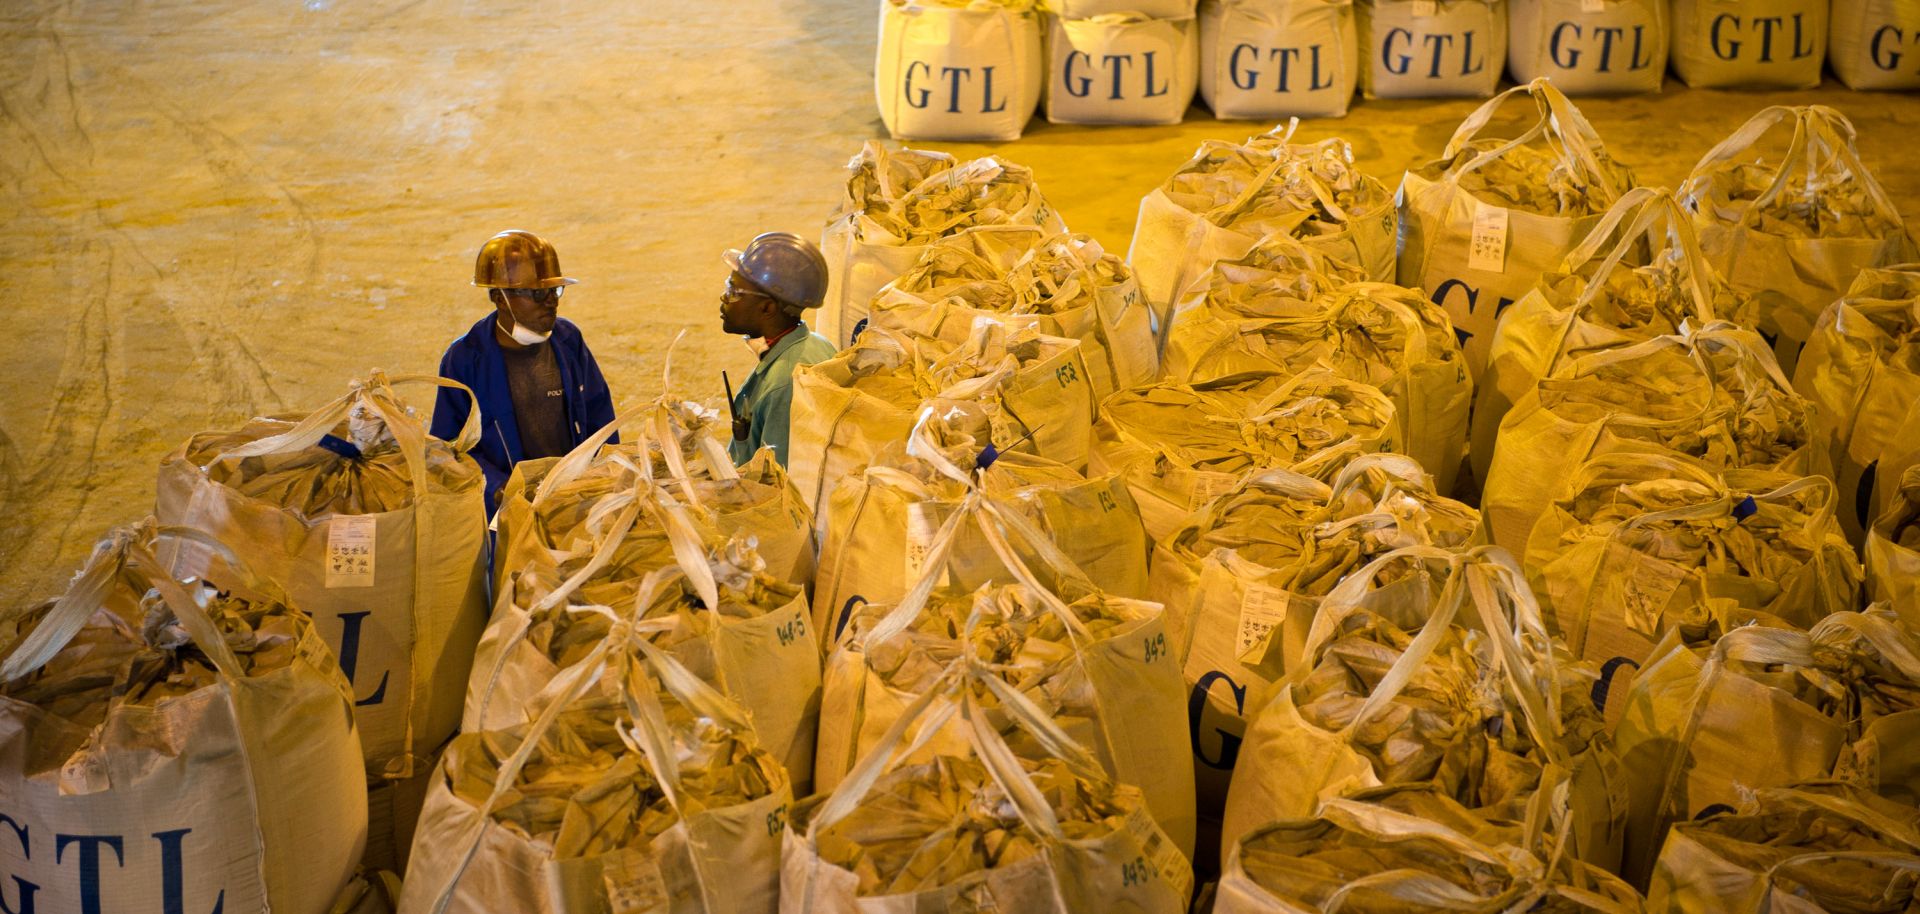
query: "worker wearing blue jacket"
540, 391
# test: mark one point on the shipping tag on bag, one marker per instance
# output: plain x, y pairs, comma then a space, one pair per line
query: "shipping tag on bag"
1262, 609
633, 884
1160, 853
923, 524
1488, 250
1424, 9
350, 542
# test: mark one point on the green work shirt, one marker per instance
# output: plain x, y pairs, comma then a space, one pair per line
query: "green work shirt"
767, 396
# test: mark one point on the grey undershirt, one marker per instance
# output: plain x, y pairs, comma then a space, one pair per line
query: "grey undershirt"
539, 400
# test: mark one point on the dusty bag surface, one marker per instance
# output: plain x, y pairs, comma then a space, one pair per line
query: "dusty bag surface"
1179, 445
1794, 225
896, 203
1893, 551
1443, 49
982, 830
1640, 273
1714, 394
1229, 196
952, 70
1612, 47
637, 787
1097, 664
1124, 66
1480, 225
1403, 849
883, 519
1788, 850
1063, 285
1861, 371
1778, 44
1265, 60
1876, 657
1242, 577
1407, 665
710, 603
371, 526
1644, 544
189, 748
1868, 44
1385, 335
1033, 386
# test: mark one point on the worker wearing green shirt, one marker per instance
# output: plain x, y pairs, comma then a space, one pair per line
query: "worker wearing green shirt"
779, 276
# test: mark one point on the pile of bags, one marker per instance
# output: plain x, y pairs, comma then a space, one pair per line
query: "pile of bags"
1229, 196
1893, 550
898, 203
170, 744
1482, 223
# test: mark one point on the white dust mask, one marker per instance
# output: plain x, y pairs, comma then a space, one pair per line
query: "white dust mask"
526, 337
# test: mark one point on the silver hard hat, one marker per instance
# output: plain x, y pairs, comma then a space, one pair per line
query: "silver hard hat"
785, 266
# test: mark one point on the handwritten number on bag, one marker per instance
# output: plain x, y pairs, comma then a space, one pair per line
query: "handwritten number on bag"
776, 820
1156, 647
1135, 873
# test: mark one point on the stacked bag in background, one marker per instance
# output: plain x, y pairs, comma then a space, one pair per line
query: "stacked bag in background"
958, 69
896, 205
1870, 44
1757, 44
1120, 61
1266, 60
1431, 48
1589, 47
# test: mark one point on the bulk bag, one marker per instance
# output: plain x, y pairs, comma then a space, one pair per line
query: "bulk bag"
373, 528
1714, 394
1087, 9
1749, 44
1121, 68
1876, 656
1179, 445
609, 800
1870, 44
1589, 47
1793, 229
1431, 48
1277, 272
1096, 664
1642, 544
1264, 60
1385, 335
896, 203
1893, 551
1033, 386
549, 507
1066, 286
1791, 851
1482, 223
958, 69
1703, 726
1405, 666
1229, 196
711, 605
1639, 274
882, 518
1861, 371
1242, 578
1408, 848
194, 746
982, 829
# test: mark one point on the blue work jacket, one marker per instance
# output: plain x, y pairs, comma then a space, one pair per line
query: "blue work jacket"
475, 360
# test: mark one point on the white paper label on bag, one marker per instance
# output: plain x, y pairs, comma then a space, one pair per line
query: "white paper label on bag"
1160, 853
1262, 609
633, 884
1206, 487
350, 540
1488, 252
923, 524
1593, 6
1424, 9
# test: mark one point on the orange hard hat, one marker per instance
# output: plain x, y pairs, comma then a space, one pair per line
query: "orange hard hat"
515, 259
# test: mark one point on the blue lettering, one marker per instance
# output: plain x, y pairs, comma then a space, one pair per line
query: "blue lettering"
954, 75
1607, 35
89, 864
350, 624
1317, 84
1196, 708
26, 889
1117, 65
1891, 59
1601, 688
1800, 52
173, 883
1387, 56
1439, 43
908, 87
1571, 58
1467, 66
986, 93
1639, 35
1285, 57
1151, 91
1767, 24
1234, 72
1731, 48
1066, 75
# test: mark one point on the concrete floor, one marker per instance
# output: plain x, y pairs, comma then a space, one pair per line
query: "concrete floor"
223, 208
